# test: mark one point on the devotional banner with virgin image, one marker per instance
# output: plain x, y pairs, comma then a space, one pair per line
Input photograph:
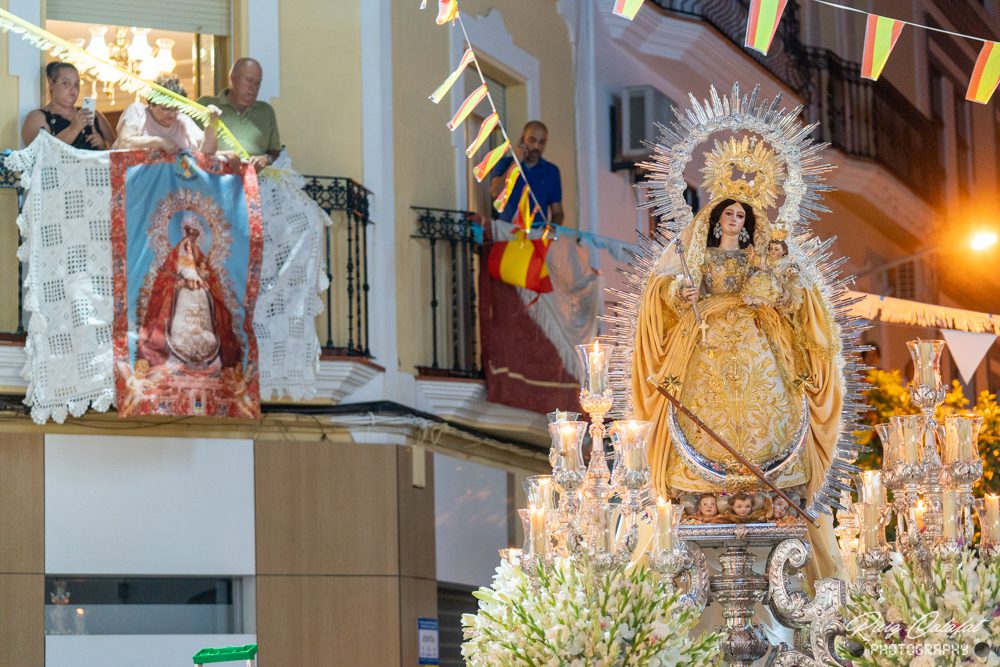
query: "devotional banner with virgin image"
186, 250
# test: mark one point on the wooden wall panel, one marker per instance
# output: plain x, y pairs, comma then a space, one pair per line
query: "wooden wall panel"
22, 504
22, 620
312, 620
417, 599
416, 516
326, 508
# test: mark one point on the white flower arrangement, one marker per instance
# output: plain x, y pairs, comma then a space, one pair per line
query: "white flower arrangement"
574, 616
945, 617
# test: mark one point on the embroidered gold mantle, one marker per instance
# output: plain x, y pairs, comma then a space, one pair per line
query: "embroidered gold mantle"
748, 384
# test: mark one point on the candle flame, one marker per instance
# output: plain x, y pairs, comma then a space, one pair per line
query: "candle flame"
661, 502
597, 345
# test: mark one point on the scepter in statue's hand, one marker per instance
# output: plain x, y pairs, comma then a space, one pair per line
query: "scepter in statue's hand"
679, 247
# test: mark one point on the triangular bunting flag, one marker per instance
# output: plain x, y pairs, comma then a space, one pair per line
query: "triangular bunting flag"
627, 8
467, 59
501, 201
985, 75
489, 124
881, 34
470, 103
524, 217
490, 161
762, 23
968, 350
447, 11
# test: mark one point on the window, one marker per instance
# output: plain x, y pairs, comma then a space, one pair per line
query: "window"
963, 142
146, 606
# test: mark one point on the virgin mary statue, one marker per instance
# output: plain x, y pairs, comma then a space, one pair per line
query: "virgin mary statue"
741, 338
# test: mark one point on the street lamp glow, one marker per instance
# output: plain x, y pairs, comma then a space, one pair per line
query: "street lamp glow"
983, 240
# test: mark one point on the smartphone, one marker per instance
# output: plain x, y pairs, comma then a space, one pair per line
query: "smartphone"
89, 104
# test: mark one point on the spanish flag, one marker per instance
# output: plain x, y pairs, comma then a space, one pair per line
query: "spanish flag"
521, 263
490, 161
467, 59
880, 38
470, 103
501, 201
986, 74
627, 8
487, 127
763, 22
447, 11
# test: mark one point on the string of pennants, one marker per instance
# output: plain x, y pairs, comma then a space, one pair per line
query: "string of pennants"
528, 208
881, 35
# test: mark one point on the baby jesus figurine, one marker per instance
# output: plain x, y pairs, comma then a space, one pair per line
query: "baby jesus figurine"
775, 281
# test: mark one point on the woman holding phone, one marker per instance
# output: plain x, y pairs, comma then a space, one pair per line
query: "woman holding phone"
85, 128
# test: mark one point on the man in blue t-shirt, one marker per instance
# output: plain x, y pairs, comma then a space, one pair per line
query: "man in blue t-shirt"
542, 175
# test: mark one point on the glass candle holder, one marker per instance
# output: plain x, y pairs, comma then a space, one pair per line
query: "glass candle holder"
988, 509
885, 435
540, 491
870, 487
871, 518
666, 517
629, 437
961, 441
595, 392
557, 416
525, 515
910, 430
567, 443
538, 536
950, 515
603, 534
926, 355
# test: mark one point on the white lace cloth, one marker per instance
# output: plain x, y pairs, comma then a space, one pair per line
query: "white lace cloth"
65, 229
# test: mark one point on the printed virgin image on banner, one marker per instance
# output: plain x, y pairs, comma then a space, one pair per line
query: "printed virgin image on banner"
186, 250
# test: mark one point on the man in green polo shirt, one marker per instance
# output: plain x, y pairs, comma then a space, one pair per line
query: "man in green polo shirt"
250, 120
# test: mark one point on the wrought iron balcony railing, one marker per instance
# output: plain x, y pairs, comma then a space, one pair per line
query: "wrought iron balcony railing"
454, 243
863, 118
344, 329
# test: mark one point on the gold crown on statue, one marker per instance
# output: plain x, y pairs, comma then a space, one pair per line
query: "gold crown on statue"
779, 232
745, 170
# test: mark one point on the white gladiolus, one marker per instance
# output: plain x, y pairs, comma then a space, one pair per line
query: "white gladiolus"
579, 617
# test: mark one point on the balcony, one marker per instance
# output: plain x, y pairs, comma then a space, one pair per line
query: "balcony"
453, 239
866, 120
342, 328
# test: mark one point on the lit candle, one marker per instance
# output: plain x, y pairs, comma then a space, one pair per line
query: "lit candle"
596, 381
925, 366
949, 514
545, 493
571, 452
664, 525
632, 458
910, 429
992, 527
872, 526
949, 454
850, 553
872, 487
539, 540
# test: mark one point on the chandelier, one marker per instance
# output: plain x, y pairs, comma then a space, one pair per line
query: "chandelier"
930, 468
136, 55
591, 513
